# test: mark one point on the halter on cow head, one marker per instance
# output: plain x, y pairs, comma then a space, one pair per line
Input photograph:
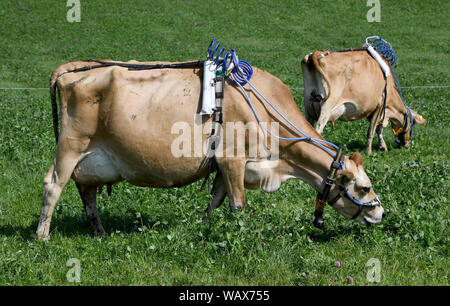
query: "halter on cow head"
353, 195
403, 132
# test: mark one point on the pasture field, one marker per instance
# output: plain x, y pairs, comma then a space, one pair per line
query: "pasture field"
155, 236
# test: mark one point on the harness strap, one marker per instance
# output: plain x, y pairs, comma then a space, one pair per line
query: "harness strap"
212, 167
322, 197
337, 197
217, 119
219, 86
384, 100
102, 64
358, 212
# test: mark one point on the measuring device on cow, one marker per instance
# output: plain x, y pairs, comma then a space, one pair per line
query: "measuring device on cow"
218, 83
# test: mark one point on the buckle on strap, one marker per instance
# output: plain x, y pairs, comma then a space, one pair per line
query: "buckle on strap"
335, 164
331, 178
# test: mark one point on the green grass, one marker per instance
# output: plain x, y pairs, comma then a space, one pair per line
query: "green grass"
155, 236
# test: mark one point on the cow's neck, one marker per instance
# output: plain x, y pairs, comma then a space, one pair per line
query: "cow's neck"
303, 159
309, 163
396, 108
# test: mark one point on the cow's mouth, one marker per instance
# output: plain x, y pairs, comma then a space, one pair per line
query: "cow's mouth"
367, 222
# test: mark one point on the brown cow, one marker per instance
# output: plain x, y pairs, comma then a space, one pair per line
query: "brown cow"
350, 86
118, 125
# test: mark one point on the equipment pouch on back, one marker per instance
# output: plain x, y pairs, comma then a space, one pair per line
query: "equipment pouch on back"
208, 94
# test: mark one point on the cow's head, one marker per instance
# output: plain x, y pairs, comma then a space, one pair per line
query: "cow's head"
403, 131
355, 187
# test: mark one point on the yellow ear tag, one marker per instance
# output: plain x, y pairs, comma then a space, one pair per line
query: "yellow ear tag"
396, 132
420, 117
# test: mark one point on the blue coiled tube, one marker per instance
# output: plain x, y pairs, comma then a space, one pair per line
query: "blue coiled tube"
215, 56
210, 48
242, 73
384, 48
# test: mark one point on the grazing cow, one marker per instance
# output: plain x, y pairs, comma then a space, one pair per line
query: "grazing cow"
349, 86
118, 125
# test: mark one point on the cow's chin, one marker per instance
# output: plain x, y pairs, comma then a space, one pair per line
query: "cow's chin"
367, 217
369, 220
402, 141
366, 221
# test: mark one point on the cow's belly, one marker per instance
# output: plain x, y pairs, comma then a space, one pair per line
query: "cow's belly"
102, 165
347, 111
96, 167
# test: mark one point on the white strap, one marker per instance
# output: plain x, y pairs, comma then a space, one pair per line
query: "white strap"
379, 59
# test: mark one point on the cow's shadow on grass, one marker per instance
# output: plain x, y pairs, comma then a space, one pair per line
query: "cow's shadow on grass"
334, 231
356, 146
324, 236
360, 146
72, 226
77, 225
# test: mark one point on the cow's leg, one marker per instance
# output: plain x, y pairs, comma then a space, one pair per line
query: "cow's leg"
325, 113
233, 171
218, 194
373, 119
370, 133
54, 182
89, 198
309, 110
382, 143
322, 122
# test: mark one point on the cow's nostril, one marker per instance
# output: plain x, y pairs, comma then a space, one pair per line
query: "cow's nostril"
366, 189
383, 215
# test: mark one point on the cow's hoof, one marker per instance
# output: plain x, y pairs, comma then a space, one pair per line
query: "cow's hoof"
40, 237
240, 206
99, 233
383, 149
369, 152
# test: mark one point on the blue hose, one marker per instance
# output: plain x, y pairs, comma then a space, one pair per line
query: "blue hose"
241, 75
384, 48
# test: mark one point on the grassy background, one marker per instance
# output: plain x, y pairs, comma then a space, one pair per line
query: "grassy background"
155, 235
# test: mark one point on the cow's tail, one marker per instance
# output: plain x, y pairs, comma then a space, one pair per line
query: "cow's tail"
314, 62
53, 87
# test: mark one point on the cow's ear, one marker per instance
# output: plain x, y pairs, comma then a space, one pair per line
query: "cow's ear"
344, 177
357, 158
419, 119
